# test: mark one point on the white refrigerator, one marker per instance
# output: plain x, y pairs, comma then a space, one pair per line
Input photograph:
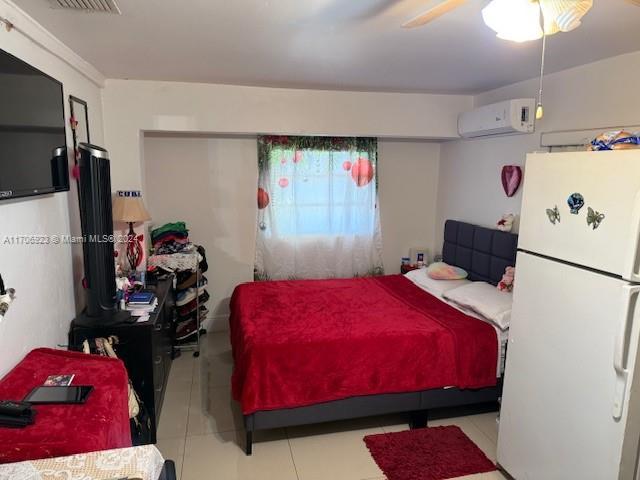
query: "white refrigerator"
571, 399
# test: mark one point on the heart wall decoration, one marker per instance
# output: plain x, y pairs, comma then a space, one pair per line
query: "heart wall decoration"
511, 179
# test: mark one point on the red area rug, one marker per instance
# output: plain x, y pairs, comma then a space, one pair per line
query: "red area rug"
435, 453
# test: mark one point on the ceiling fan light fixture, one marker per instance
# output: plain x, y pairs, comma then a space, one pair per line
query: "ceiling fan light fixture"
564, 15
514, 20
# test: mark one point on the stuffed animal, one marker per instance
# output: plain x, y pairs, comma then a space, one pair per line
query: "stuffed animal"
505, 224
8, 297
506, 284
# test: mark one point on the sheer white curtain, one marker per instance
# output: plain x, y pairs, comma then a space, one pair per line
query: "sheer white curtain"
317, 208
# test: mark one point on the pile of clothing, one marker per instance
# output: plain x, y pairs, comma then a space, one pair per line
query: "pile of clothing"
175, 254
170, 238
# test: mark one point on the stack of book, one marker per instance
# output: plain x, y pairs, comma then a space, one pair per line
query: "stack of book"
142, 303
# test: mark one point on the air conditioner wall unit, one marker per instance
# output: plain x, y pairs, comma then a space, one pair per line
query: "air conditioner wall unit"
508, 117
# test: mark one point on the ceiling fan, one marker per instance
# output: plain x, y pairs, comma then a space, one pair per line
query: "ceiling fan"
519, 20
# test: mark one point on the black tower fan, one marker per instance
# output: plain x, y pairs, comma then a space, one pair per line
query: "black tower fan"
97, 230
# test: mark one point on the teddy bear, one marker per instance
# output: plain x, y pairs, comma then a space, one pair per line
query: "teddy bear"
506, 284
505, 224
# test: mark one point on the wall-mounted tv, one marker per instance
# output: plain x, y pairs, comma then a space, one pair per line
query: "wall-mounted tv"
33, 159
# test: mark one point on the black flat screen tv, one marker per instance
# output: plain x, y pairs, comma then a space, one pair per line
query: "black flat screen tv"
33, 158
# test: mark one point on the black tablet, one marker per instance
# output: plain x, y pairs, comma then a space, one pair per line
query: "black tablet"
70, 394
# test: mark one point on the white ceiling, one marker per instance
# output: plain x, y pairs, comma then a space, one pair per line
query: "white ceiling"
333, 44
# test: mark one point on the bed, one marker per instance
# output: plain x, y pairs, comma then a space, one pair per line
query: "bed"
312, 351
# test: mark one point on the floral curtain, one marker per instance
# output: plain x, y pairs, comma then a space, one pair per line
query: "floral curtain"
317, 208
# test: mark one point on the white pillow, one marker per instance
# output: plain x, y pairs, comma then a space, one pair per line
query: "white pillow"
486, 300
434, 287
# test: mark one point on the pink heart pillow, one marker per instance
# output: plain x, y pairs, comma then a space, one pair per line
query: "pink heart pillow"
444, 271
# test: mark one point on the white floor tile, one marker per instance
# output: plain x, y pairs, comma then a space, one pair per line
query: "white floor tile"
173, 449
214, 368
213, 410
394, 423
484, 476
334, 451
175, 413
486, 422
483, 442
215, 342
183, 364
220, 456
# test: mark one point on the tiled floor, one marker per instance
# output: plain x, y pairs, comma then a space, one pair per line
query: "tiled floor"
201, 430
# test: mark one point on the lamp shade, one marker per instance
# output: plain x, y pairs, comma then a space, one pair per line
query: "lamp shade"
515, 20
128, 207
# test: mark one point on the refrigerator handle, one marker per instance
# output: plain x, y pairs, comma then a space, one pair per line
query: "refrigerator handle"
629, 294
631, 269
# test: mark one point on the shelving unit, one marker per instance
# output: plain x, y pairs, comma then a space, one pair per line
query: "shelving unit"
179, 264
193, 345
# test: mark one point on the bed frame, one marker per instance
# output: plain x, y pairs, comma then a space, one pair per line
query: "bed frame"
484, 253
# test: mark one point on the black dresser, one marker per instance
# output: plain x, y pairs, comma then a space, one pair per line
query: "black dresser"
146, 349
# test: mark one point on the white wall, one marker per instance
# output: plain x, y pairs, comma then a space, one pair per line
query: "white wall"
132, 107
43, 276
408, 181
210, 182
600, 94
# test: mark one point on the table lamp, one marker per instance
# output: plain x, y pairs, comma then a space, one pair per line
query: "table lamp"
128, 207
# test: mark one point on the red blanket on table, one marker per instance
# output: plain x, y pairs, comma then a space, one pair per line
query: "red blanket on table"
298, 343
99, 424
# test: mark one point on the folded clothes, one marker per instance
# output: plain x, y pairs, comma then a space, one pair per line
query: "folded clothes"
175, 227
203, 312
202, 283
170, 236
186, 280
185, 260
185, 296
186, 329
190, 307
204, 266
171, 247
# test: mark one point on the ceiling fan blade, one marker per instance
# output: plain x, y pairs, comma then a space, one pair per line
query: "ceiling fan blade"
437, 11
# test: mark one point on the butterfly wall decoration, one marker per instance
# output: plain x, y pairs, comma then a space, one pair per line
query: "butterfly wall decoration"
553, 214
594, 218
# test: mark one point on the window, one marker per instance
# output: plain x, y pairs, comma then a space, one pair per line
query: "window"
317, 196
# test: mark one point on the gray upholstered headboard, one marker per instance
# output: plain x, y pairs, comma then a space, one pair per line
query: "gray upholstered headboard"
483, 252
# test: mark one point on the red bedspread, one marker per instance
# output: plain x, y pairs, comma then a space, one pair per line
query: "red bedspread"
99, 424
298, 343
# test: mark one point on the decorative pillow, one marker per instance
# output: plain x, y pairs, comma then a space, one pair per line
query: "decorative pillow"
444, 271
434, 287
484, 299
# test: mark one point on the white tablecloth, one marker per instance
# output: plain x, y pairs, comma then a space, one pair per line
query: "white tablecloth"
144, 462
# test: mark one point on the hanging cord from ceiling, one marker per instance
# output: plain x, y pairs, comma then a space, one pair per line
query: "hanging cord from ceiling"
539, 107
